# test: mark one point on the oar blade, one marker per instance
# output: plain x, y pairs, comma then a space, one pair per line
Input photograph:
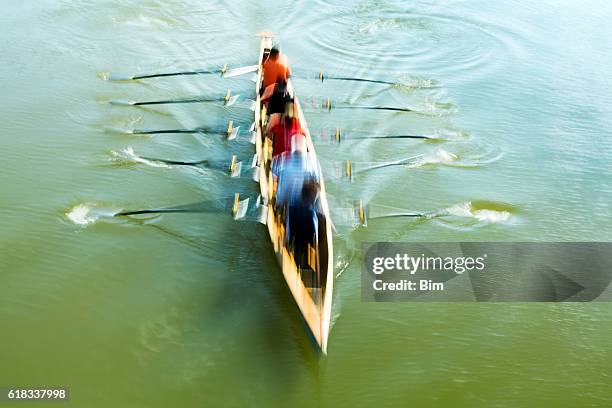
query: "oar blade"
119, 77
232, 100
122, 102
234, 72
234, 133
240, 209
120, 131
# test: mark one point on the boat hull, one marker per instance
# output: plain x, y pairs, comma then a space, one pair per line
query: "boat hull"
313, 301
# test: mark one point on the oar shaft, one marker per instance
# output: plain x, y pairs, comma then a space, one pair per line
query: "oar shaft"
391, 137
168, 74
389, 164
389, 108
210, 206
322, 77
413, 215
177, 163
169, 131
342, 135
228, 73
151, 211
375, 81
175, 101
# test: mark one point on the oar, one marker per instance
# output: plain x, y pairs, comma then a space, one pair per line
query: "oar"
399, 162
323, 77
340, 136
395, 215
203, 163
165, 101
360, 213
210, 206
395, 137
231, 132
228, 100
233, 168
170, 131
238, 207
328, 106
226, 73
389, 108
347, 166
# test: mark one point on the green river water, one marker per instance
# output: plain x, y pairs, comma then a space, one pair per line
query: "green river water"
191, 310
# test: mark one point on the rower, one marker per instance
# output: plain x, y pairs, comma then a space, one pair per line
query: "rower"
275, 97
293, 169
275, 69
303, 222
283, 126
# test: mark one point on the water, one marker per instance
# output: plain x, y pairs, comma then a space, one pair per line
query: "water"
190, 310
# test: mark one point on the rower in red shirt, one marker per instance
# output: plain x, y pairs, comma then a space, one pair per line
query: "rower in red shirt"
282, 127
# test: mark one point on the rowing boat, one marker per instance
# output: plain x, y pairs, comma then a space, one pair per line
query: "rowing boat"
307, 262
311, 288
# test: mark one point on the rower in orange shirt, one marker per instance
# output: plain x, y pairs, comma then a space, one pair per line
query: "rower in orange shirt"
275, 69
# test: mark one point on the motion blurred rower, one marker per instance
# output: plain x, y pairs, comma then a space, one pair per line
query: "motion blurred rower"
293, 169
275, 69
303, 223
283, 126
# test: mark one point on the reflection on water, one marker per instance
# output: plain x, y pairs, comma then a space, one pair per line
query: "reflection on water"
190, 309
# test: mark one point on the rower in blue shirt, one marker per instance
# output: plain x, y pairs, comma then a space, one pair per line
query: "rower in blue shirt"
293, 170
